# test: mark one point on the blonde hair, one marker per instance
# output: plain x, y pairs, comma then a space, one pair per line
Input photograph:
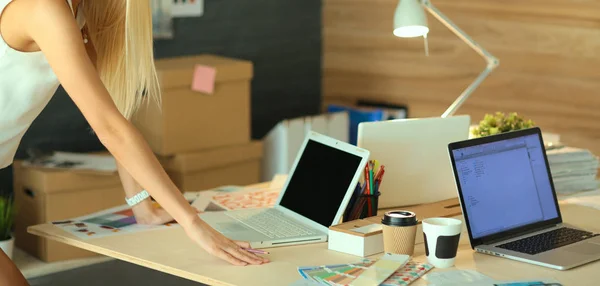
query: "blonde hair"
121, 31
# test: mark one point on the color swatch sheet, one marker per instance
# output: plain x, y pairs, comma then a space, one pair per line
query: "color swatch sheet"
264, 198
227, 198
344, 274
115, 221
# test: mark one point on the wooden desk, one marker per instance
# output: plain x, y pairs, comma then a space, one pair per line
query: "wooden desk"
170, 251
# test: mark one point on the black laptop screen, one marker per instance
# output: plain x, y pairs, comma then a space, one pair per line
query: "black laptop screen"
505, 185
320, 182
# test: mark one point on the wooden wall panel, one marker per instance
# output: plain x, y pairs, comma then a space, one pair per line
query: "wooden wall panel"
549, 52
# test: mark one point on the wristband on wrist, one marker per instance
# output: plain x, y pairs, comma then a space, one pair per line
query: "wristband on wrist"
138, 198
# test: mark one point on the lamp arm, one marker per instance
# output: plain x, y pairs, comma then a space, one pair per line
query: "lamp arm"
467, 92
492, 62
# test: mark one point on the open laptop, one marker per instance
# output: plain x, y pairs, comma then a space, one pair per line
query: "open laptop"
415, 155
314, 197
509, 203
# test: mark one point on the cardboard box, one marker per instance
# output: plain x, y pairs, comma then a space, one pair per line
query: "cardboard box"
202, 170
44, 195
187, 120
358, 237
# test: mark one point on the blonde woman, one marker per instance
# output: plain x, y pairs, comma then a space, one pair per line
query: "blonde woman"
101, 53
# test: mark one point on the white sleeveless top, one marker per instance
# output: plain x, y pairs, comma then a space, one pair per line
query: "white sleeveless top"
27, 84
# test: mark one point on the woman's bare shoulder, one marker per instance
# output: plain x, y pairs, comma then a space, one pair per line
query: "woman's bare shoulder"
27, 10
23, 18
24, 6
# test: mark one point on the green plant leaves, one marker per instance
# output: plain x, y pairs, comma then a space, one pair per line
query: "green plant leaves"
499, 122
7, 216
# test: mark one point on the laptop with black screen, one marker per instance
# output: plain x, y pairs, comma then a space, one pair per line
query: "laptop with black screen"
314, 197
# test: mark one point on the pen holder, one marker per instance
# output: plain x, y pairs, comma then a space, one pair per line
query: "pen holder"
364, 206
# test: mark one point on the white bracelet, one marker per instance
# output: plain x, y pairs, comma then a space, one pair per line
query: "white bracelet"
138, 198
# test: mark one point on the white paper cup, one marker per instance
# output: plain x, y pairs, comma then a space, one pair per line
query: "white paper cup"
441, 240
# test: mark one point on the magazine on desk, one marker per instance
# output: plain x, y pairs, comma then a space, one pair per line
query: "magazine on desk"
114, 221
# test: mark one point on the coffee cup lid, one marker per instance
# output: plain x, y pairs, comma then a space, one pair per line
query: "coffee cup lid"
399, 218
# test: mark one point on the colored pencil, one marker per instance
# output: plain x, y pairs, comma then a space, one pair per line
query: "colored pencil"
367, 182
371, 177
256, 251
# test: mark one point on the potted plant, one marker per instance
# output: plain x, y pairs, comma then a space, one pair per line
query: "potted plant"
500, 123
7, 215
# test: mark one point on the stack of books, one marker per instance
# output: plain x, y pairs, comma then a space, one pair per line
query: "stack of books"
573, 169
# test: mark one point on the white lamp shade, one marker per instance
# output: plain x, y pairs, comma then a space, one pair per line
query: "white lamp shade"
410, 20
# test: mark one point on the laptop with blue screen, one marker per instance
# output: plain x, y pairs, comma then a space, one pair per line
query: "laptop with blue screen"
509, 203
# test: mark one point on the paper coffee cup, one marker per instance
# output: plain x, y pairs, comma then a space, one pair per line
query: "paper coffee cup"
441, 240
399, 231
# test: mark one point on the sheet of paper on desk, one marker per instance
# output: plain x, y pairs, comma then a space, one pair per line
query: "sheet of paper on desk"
115, 221
474, 278
458, 277
203, 200
262, 198
240, 198
278, 181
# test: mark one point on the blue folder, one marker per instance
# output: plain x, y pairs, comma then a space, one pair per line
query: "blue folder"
356, 116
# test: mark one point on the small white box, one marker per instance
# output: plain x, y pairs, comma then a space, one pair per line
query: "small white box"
358, 237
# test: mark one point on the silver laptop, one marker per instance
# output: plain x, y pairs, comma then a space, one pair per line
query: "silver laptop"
314, 197
414, 151
509, 202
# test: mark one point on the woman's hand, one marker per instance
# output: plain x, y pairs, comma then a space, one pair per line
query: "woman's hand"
220, 246
151, 215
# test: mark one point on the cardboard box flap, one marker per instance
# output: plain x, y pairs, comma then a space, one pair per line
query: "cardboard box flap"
54, 181
179, 71
212, 158
351, 226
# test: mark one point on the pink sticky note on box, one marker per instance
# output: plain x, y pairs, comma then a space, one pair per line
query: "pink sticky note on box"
204, 79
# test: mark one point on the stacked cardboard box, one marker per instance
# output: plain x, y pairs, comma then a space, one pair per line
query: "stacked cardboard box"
46, 195
203, 138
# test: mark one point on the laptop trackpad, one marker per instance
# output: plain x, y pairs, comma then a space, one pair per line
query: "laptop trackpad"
230, 227
587, 248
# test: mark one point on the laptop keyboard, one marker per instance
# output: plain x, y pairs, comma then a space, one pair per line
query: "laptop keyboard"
547, 240
271, 223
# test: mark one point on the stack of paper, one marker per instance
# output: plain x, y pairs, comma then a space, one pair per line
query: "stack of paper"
573, 169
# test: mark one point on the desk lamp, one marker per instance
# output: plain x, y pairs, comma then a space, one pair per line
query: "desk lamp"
410, 22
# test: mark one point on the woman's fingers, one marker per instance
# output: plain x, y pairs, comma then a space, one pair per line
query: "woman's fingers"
242, 244
243, 255
247, 245
229, 258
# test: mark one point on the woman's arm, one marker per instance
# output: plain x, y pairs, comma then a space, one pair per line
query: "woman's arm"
145, 212
9, 273
51, 25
